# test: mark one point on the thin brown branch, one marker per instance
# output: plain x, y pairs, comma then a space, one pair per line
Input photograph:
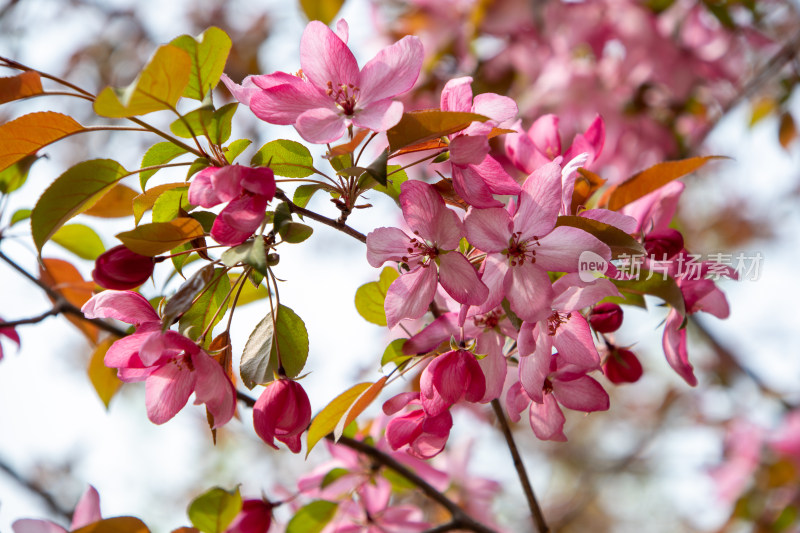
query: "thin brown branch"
536, 511
52, 504
344, 228
32, 320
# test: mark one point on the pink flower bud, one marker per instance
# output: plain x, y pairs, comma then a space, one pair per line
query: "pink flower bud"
606, 317
282, 412
449, 379
622, 366
663, 244
255, 517
121, 269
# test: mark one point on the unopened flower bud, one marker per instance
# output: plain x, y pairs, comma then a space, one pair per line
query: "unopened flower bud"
606, 317
282, 412
121, 269
622, 366
255, 517
664, 244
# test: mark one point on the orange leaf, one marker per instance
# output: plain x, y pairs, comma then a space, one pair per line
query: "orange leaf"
159, 237
65, 279
119, 524
586, 183
348, 148
421, 147
362, 403
20, 86
118, 202
419, 126
654, 178
28, 133
787, 131
105, 380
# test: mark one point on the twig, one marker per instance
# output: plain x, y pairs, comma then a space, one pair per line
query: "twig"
536, 511
52, 504
33, 320
344, 228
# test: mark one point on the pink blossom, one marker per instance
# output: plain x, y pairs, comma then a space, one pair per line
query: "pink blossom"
330, 93
282, 412
450, 378
431, 255
606, 317
374, 514
171, 365
247, 191
477, 175
10, 333
422, 435
255, 517
566, 385
522, 247
87, 511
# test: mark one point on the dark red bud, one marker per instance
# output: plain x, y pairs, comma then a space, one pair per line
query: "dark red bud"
606, 317
622, 366
121, 269
663, 244
255, 517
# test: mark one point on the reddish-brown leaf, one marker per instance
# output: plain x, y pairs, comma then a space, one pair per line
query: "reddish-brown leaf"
20, 86
65, 279
28, 133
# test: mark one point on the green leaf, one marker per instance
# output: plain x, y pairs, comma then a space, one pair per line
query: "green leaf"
181, 301
302, 195
666, 289
158, 87
25, 135
158, 154
15, 176
81, 240
234, 149
395, 178
312, 518
654, 178
377, 169
291, 341
620, 242
394, 353
208, 52
286, 158
147, 199
295, 232
249, 293
159, 237
281, 216
333, 475
257, 257
71, 193
170, 203
19, 215
323, 10
216, 125
208, 309
371, 296
213, 511
255, 367
197, 165
420, 126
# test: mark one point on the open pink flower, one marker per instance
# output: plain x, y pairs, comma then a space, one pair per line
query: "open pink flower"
87, 511
476, 174
171, 365
372, 513
247, 191
423, 436
522, 247
431, 255
282, 412
330, 93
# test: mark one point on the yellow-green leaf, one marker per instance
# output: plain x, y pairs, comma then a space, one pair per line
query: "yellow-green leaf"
28, 133
286, 158
75, 191
360, 404
158, 154
327, 419
205, 121
370, 297
158, 87
104, 379
323, 10
208, 52
214, 510
16, 175
81, 240
658, 285
312, 517
119, 524
249, 293
426, 125
653, 178
147, 199
159, 237
20, 86
116, 203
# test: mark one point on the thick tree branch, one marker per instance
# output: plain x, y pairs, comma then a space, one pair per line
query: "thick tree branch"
536, 511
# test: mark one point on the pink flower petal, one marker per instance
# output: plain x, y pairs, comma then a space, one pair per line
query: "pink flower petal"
27, 525
495, 177
574, 343
496, 107
324, 57
214, 389
489, 230
393, 71
573, 294
494, 365
379, 116
201, 190
544, 134
87, 511
457, 95
582, 394
283, 104
259, 180
460, 280
516, 402
320, 125
469, 185
539, 202
242, 92
167, 390
410, 295
227, 182
468, 149
437, 332
618, 220
386, 244
428, 216
534, 367
127, 306
560, 250
528, 289
495, 267
547, 420
674, 343
239, 219
520, 150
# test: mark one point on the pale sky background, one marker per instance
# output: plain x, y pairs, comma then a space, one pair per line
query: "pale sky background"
50, 414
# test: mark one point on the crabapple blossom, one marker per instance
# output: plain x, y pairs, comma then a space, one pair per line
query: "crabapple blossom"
423, 436
450, 378
622, 366
606, 317
282, 412
121, 269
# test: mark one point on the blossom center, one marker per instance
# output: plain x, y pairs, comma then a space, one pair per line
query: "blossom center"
519, 250
488, 321
345, 96
184, 360
420, 251
547, 388
555, 320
